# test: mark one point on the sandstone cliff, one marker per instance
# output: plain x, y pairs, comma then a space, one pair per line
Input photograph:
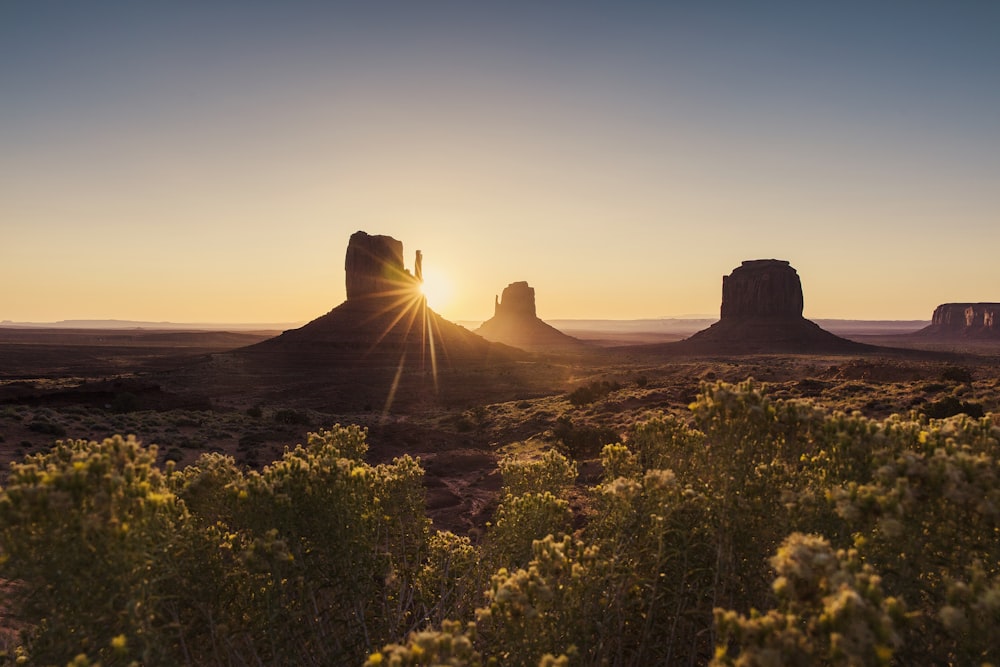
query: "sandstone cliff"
964, 320
382, 347
516, 323
762, 288
374, 266
762, 312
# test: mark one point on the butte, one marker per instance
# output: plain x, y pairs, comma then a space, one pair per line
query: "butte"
762, 313
381, 349
516, 323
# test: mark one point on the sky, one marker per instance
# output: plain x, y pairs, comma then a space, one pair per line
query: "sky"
208, 161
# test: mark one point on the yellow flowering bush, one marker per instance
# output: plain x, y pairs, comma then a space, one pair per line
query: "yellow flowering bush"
866, 542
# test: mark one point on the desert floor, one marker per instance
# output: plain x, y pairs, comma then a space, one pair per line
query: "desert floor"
89, 384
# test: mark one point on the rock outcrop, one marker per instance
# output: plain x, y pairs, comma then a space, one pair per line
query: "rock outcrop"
762, 312
762, 288
516, 323
382, 347
964, 320
374, 266
517, 300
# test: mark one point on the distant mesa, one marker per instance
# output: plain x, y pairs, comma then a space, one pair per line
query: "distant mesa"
762, 288
762, 312
517, 301
516, 323
964, 320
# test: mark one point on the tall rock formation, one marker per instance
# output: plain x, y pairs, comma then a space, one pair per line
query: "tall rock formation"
382, 347
516, 323
762, 288
964, 320
517, 300
374, 266
762, 312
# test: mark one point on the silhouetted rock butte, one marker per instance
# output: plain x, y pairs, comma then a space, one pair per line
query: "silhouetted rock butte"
964, 320
381, 347
385, 316
514, 322
517, 300
762, 312
374, 266
762, 288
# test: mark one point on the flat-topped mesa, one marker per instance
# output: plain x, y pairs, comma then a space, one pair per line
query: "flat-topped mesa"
517, 299
960, 316
374, 266
762, 288
975, 320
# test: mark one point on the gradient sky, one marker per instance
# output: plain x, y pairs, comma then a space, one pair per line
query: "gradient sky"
207, 161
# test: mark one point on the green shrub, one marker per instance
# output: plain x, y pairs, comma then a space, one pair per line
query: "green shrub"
831, 611
520, 520
291, 417
452, 646
48, 428
956, 374
589, 393
551, 472
102, 549
747, 503
581, 442
125, 401
949, 406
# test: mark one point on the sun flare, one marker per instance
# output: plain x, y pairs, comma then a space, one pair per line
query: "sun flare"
436, 288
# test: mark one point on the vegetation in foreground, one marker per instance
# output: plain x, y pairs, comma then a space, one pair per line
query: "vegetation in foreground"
755, 531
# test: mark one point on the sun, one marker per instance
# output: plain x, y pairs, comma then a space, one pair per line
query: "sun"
436, 288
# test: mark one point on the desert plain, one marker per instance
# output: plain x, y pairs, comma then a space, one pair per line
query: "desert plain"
191, 392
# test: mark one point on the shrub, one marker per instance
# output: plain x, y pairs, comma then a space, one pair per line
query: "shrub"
747, 503
831, 611
589, 393
48, 428
291, 417
956, 374
125, 401
520, 520
451, 646
949, 406
101, 549
581, 442
311, 560
551, 472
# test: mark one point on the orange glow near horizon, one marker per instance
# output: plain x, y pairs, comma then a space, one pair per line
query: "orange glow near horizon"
620, 162
436, 288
